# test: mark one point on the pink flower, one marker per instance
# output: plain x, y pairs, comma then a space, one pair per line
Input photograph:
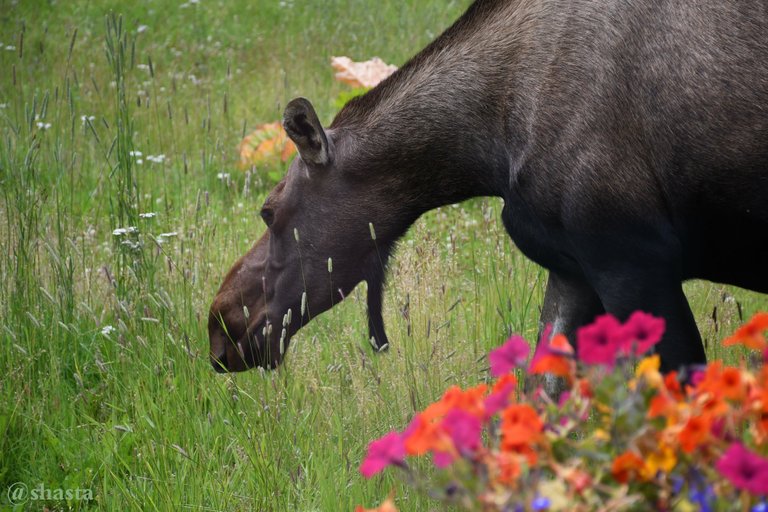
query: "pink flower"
744, 469
598, 342
514, 353
640, 332
383, 452
542, 347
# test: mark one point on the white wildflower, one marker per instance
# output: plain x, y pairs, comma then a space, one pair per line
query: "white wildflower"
85, 119
141, 28
10, 48
125, 231
107, 330
147, 215
43, 126
223, 176
158, 159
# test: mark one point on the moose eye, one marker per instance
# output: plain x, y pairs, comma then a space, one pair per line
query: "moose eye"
268, 215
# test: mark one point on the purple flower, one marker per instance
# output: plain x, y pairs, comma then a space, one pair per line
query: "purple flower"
744, 469
383, 452
540, 503
464, 430
513, 353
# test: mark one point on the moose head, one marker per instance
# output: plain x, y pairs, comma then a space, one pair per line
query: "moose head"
331, 224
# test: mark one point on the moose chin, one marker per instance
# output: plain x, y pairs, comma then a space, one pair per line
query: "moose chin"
628, 140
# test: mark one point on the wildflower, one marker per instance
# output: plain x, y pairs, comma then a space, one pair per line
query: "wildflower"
540, 503
514, 353
520, 425
751, 335
499, 398
148, 215
507, 466
423, 436
663, 459
157, 159
648, 370
86, 119
598, 342
387, 506
125, 231
135, 153
464, 430
732, 384
107, 330
141, 28
554, 358
43, 126
640, 333
383, 452
626, 466
744, 469
471, 401
694, 433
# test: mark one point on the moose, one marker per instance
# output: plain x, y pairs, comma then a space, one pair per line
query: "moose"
628, 141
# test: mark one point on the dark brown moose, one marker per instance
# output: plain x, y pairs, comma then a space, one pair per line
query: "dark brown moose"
628, 140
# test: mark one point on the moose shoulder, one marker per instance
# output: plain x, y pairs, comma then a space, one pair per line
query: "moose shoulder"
628, 140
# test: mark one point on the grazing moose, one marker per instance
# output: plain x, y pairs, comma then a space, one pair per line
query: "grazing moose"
628, 140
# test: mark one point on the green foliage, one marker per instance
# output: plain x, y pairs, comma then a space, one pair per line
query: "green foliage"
103, 344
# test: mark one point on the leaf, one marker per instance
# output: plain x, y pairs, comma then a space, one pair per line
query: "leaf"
368, 73
268, 143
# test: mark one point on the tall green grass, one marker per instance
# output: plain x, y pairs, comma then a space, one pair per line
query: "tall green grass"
105, 382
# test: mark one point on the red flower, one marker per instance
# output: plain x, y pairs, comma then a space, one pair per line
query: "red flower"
514, 353
598, 342
744, 469
383, 452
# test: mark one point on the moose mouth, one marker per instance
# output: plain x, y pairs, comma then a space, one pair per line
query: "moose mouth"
257, 347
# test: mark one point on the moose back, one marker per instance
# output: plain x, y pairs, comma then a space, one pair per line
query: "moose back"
628, 140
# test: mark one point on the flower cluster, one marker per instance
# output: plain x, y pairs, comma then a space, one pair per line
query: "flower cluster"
620, 435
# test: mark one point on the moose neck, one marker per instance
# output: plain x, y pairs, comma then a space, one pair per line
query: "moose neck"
437, 125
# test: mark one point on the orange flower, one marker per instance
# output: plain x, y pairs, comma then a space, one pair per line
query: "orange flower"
471, 401
673, 385
508, 379
520, 425
626, 466
694, 433
555, 359
508, 468
387, 506
426, 436
751, 334
732, 385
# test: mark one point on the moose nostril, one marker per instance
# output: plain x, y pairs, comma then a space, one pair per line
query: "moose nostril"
219, 362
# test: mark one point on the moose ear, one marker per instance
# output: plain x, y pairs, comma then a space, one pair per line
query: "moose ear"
303, 127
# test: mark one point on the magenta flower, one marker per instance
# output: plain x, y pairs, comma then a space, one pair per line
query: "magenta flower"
464, 430
498, 400
383, 452
513, 353
744, 469
598, 343
542, 347
640, 332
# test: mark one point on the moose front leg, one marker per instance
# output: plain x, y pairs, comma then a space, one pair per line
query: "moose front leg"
376, 332
662, 296
569, 303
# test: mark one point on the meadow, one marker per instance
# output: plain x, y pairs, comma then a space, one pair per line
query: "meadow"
122, 206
